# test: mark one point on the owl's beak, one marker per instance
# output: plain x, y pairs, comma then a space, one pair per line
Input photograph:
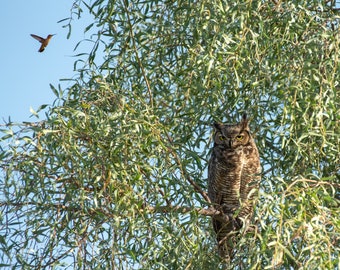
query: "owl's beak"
230, 143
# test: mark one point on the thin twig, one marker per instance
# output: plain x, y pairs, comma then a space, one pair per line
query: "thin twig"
185, 173
136, 53
314, 183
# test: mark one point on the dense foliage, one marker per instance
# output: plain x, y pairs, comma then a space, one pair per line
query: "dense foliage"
115, 176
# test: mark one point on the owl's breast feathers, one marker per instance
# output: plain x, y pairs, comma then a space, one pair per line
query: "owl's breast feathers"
230, 173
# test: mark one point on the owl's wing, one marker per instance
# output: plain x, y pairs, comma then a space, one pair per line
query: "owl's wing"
212, 181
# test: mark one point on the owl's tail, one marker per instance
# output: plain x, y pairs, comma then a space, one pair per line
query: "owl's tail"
226, 246
227, 237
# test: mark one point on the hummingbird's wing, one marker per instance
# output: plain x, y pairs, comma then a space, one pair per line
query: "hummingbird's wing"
40, 39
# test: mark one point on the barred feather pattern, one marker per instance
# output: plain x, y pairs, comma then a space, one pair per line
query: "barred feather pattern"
233, 179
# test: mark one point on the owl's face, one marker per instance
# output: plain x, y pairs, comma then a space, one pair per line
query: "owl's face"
232, 136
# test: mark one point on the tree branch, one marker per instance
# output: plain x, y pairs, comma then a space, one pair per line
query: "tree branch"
211, 211
185, 173
146, 209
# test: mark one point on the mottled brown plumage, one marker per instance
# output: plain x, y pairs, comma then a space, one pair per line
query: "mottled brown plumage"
233, 179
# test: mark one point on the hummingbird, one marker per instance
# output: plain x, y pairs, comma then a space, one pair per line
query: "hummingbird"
44, 41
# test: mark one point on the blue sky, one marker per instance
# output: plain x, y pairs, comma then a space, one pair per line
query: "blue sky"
25, 73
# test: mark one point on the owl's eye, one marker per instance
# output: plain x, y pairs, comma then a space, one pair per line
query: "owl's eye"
239, 137
221, 137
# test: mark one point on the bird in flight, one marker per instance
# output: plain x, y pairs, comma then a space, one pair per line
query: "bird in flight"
44, 41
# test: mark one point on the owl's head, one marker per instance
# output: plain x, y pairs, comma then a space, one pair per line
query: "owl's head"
232, 135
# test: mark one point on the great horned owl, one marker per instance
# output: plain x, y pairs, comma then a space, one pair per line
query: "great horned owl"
233, 180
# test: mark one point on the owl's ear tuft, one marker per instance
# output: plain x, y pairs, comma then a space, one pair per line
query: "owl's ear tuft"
244, 121
217, 125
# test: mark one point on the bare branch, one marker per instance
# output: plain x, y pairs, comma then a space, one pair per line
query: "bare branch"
211, 211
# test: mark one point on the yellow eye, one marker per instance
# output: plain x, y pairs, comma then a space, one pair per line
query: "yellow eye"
221, 138
239, 137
